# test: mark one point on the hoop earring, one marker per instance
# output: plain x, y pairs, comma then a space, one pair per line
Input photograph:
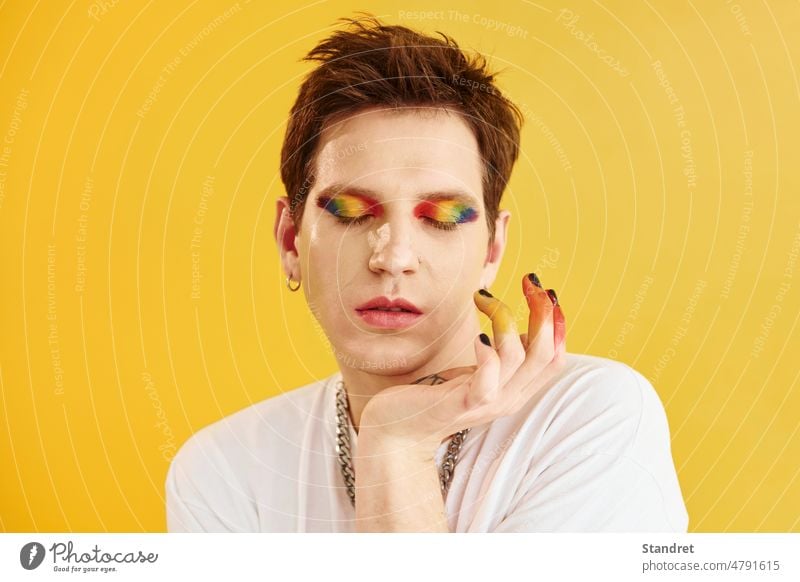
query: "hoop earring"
289, 284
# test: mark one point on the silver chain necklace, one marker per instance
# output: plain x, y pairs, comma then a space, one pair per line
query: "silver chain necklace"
343, 443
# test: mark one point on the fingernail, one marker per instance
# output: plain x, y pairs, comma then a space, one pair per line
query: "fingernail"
485, 339
535, 280
553, 297
485, 293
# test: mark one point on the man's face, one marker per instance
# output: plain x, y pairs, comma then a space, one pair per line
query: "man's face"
396, 214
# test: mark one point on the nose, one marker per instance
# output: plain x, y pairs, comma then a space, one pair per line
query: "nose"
393, 250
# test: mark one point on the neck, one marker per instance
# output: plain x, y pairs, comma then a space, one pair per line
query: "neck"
361, 385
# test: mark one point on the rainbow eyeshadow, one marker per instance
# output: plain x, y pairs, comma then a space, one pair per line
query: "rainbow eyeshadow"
450, 211
349, 205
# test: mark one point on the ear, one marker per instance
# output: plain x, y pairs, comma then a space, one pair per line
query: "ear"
285, 234
497, 246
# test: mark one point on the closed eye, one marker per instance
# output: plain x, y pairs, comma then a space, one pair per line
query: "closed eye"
353, 220
357, 220
439, 224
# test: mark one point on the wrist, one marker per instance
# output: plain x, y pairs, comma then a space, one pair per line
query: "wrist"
382, 447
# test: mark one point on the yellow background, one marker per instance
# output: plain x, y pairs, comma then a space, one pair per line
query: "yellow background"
133, 124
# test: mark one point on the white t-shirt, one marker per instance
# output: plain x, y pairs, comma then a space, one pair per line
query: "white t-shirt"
590, 452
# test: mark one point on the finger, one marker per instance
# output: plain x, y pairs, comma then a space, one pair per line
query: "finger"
559, 334
559, 327
541, 342
504, 329
538, 304
485, 384
540, 349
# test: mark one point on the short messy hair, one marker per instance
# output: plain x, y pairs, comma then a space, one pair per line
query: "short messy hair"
369, 64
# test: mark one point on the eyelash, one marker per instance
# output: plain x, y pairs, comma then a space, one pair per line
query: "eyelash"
356, 220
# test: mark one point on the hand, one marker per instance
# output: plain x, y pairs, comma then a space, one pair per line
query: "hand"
508, 374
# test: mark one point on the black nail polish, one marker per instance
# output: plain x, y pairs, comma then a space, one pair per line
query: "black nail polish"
485, 339
535, 280
553, 297
485, 293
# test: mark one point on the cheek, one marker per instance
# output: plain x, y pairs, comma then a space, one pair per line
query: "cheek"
313, 235
318, 256
453, 258
322, 244
335, 261
458, 272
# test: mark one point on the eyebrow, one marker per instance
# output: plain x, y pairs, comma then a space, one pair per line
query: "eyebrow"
460, 196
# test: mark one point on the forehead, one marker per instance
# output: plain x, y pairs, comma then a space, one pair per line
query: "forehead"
400, 153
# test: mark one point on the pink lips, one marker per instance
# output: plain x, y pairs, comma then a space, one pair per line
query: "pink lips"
388, 313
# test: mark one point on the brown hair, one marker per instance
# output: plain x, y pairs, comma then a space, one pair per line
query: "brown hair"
374, 65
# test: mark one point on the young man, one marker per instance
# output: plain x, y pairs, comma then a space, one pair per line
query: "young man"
396, 155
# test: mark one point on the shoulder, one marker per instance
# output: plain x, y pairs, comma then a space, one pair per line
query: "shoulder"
275, 417
594, 451
222, 453
600, 405
217, 477
600, 382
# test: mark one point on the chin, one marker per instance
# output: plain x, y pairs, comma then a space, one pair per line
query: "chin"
382, 366
381, 355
